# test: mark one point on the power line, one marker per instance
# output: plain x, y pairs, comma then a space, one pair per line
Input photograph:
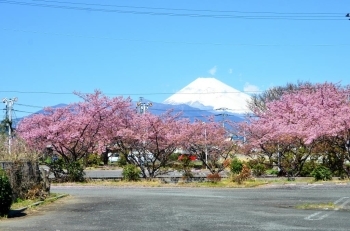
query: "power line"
26, 105
184, 9
151, 109
26, 112
304, 17
155, 93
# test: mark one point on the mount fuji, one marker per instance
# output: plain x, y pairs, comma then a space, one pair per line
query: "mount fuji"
211, 94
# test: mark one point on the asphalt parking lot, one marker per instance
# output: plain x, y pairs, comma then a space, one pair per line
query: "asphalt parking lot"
189, 209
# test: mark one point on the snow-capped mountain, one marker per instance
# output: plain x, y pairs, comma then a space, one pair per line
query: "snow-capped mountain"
211, 94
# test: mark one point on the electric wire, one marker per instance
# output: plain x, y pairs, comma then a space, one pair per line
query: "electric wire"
154, 93
28, 112
183, 9
303, 17
150, 109
26, 105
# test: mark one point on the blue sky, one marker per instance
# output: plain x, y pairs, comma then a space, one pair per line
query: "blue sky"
153, 48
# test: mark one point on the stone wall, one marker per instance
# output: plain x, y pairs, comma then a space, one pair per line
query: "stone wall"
27, 181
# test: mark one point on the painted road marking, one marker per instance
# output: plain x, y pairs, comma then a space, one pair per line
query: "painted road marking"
309, 186
323, 214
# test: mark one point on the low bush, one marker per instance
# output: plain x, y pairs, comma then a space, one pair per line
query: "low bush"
244, 175
259, 169
308, 167
257, 166
93, 160
236, 166
67, 171
122, 161
174, 157
5, 194
321, 173
75, 171
272, 171
214, 177
131, 173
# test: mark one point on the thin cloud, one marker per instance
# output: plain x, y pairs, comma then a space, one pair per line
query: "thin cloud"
230, 71
213, 70
250, 88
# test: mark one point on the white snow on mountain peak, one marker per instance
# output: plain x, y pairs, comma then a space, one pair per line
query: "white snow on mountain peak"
210, 93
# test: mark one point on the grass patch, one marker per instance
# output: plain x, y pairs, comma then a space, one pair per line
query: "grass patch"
224, 183
318, 206
28, 203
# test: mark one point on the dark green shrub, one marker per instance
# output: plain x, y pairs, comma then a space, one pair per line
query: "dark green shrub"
259, 169
321, 173
5, 194
56, 167
308, 167
75, 171
236, 166
93, 160
257, 166
131, 173
174, 157
67, 171
121, 161
272, 171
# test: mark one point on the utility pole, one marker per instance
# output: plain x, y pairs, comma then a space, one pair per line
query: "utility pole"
224, 114
142, 107
9, 104
206, 148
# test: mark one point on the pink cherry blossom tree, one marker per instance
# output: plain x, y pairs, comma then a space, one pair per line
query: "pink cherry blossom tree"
209, 142
289, 127
78, 129
149, 140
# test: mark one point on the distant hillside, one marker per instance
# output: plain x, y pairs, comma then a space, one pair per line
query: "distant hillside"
187, 111
191, 113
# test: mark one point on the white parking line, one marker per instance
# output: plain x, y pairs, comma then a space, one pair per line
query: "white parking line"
339, 200
344, 203
323, 214
309, 186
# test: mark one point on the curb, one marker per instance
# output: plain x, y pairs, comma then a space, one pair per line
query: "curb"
17, 212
